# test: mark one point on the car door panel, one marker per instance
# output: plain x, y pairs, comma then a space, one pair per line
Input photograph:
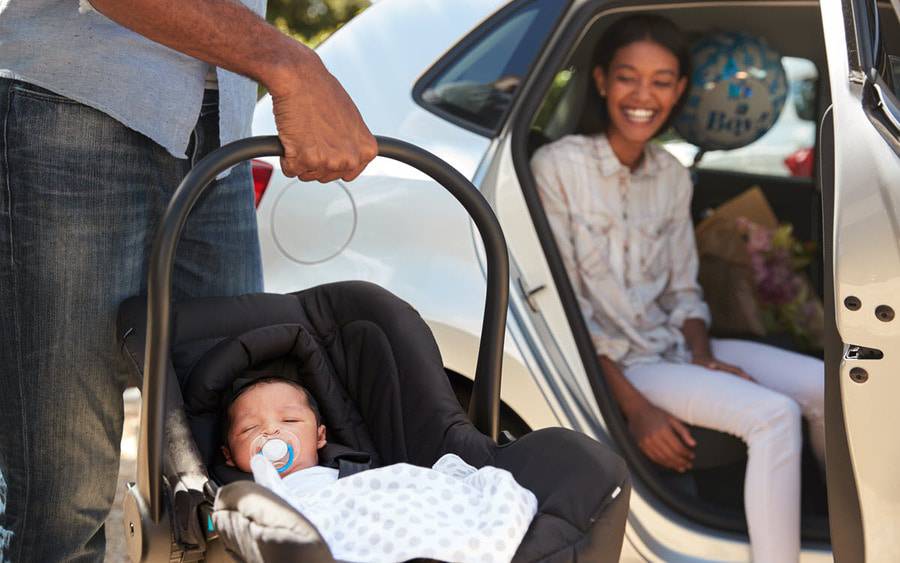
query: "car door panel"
843, 498
866, 261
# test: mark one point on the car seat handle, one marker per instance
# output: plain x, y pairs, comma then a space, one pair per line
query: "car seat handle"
484, 407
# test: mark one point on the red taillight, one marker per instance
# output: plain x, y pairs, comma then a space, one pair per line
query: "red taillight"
262, 173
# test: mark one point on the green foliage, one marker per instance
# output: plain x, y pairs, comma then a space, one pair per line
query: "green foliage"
551, 100
312, 21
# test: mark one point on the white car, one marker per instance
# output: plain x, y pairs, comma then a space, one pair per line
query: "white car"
481, 83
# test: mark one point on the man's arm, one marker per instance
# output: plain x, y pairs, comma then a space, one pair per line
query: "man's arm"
323, 134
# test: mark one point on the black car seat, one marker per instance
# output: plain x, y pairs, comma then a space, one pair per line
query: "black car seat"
373, 366
371, 363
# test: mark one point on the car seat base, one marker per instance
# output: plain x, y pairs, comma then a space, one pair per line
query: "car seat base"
146, 540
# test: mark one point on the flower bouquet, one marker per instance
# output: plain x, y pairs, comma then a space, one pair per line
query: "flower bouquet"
786, 298
752, 274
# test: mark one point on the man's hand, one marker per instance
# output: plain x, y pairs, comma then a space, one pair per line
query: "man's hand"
324, 136
710, 362
662, 437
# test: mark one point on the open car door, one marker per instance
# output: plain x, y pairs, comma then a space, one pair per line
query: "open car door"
859, 171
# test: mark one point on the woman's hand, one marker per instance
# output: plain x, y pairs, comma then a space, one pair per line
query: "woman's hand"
662, 437
710, 362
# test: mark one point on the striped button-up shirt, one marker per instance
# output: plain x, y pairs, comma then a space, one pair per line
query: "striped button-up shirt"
627, 241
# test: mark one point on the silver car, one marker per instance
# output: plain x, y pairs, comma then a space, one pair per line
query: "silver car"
481, 83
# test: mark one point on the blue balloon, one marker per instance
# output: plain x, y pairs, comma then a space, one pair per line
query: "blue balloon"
737, 91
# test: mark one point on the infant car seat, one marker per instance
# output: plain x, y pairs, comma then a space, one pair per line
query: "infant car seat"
375, 370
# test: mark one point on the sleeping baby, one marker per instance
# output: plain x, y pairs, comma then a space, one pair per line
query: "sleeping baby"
451, 512
280, 420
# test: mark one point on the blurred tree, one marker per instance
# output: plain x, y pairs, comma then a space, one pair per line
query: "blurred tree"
312, 21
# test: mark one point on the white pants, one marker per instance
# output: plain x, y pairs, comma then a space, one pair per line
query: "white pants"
766, 415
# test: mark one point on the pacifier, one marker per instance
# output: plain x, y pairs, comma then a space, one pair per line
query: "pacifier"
277, 448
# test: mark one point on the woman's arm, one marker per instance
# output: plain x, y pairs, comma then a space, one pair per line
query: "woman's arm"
630, 400
683, 298
559, 198
697, 338
662, 437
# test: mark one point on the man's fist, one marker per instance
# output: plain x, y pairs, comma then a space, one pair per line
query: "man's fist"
323, 134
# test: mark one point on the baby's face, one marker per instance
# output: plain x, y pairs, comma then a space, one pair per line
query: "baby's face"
274, 409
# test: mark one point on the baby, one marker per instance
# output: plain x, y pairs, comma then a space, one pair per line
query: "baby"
451, 511
279, 419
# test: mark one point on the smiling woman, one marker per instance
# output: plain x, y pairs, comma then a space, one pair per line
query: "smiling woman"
619, 208
640, 73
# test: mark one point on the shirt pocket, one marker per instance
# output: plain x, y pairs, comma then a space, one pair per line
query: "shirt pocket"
592, 236
652, 242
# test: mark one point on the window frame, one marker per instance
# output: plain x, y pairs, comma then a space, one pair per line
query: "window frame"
462, 47
879, 103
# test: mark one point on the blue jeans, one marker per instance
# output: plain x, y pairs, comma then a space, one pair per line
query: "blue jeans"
80, 199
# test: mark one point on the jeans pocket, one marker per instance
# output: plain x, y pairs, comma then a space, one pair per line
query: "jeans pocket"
31, 91
51, 137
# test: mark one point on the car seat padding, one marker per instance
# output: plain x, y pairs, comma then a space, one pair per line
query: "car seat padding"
345, 343
287, 351
257, 525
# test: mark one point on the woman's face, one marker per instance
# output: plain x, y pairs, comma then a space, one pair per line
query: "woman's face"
640, 90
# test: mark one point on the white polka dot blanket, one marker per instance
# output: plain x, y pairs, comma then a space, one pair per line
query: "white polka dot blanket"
451, 512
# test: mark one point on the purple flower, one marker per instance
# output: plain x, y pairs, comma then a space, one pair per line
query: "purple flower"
776, 281
776, 262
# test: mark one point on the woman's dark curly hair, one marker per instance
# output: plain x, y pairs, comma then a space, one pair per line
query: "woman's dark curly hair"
624, 32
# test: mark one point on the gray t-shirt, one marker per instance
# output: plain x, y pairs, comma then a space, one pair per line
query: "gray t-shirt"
93, 60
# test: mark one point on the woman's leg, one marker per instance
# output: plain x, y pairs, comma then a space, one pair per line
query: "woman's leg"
770, 424
798, 376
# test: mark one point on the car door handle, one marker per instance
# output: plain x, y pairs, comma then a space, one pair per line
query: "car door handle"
529, 293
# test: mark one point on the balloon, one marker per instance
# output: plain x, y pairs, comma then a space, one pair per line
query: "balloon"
737, 90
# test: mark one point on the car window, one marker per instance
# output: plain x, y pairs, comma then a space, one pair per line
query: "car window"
550, 117
785, 150
888, 67
478, 81
894, 65
885, 45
